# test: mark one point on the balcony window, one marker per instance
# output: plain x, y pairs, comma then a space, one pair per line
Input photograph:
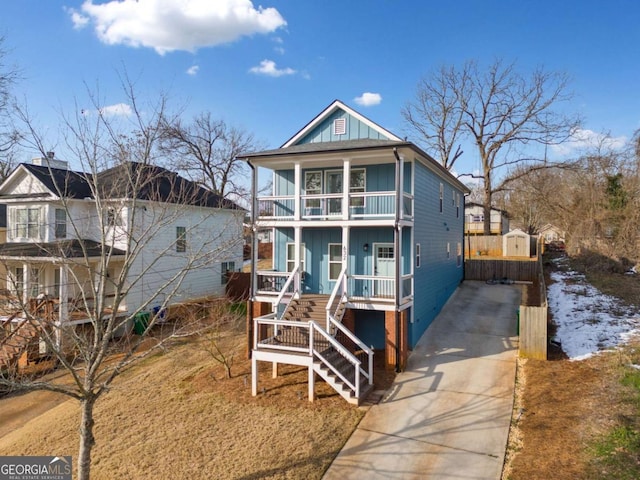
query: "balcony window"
313, 186
181, 239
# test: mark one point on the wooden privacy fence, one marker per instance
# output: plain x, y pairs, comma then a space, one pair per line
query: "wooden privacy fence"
496, 269
479, 245
533, 324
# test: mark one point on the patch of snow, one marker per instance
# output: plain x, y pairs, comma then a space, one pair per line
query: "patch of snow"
588, 321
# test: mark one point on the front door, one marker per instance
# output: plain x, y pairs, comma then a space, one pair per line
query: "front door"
384, 266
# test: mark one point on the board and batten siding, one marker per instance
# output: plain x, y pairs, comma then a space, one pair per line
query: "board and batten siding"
355, 130
438, 276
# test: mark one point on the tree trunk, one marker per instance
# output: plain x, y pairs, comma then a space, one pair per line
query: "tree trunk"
487, 203
87, 439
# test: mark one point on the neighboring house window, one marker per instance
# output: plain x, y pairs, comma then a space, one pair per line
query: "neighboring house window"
18, 281
418, 255
335, 261
181, 239
448, 250
56, 282
453, 198
312, 186
114, 217
34, 281
27, 223
458, 205
441, 196
459, 254
290, 259
477, 218
61, 223
225, 268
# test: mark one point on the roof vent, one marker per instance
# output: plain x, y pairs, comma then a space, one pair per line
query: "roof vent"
340, 126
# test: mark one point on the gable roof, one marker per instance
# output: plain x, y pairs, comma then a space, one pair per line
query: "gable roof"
125, 181
335, 106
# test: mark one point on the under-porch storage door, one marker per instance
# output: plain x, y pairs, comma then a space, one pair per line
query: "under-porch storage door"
384, 266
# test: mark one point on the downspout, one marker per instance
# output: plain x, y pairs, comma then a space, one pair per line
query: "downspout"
464, 234
396, 247
254, 255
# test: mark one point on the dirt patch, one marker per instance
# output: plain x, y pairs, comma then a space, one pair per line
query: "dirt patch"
175, 415
562, 407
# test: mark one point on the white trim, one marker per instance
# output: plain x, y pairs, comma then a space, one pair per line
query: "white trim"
303, 256
322, 116
333, 262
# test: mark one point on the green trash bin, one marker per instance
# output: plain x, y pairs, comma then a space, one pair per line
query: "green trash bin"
141, 322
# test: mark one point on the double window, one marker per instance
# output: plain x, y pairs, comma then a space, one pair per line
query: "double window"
225, 269
27, 223
333, 184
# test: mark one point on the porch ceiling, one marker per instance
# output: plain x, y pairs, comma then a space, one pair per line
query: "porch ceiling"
61, 249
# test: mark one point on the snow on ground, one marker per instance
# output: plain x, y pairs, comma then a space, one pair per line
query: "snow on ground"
588, 320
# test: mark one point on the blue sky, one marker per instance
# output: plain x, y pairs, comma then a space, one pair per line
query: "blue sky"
271, 67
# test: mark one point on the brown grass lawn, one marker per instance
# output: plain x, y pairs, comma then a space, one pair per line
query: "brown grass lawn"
175, 416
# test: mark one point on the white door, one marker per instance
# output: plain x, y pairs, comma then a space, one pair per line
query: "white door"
384, 266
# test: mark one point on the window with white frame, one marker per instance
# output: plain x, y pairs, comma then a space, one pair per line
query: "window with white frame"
225, 269
458, 205
357, 184
441, 196
27, 222
56, 282
312, 186
418, 259
335, 261
448, 250
459, 254
453, 198
291, 259
181, 239
114, 217
61, 223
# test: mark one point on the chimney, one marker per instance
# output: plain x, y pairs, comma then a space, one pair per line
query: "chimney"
50, 161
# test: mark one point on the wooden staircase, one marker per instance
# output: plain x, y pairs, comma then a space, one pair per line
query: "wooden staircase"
18, 341
312, 307
307, 307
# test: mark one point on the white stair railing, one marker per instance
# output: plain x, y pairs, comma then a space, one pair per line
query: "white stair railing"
339, 289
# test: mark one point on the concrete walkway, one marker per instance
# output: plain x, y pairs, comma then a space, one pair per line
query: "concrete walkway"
448, 414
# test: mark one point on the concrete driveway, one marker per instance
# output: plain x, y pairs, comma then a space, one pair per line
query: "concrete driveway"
448, 414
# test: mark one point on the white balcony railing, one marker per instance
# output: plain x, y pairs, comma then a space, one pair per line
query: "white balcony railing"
366, 205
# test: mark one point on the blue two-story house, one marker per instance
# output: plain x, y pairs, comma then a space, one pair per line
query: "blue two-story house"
367, 247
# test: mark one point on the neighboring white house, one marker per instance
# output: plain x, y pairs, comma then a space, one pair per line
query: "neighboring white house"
474, 220
551, 233
163, 238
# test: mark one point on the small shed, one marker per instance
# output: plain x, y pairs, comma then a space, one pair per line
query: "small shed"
516, 243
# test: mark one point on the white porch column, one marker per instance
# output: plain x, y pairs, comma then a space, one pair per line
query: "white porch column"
63, 298
346, 184
297, 239
26, 284
297, 179
345, 248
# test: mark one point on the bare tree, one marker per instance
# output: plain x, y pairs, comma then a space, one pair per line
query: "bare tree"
9, 136
137, 239
207, 149
498, 109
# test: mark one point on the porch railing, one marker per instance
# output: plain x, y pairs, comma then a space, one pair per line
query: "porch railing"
373, 287
310, 338
365, 205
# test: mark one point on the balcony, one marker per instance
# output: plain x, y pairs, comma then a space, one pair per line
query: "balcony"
362, 206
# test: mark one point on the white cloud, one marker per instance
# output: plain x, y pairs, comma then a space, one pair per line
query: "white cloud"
117, 110
268, 67
279, 50
368, 99
79, 21
193, 71
584, 139
169, 25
